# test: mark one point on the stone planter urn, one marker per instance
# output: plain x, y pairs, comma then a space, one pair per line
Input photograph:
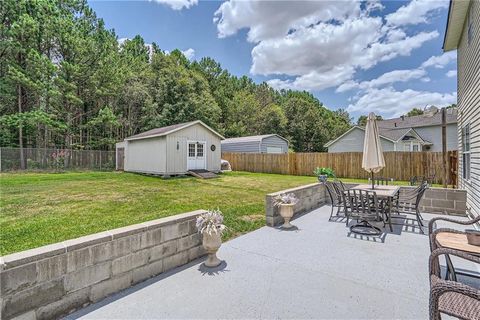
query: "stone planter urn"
286, 211
211, 243
322, 178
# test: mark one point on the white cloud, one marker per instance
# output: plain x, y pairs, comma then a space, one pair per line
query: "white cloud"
384, 79
415, 12
315, 80
392, 103
441, 61
452, 73
320, 44
273, 19
177, 4
189, 53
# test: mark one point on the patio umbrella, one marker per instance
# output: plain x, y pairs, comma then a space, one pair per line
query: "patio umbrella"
373, 160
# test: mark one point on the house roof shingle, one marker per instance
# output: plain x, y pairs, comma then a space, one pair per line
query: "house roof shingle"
423, 120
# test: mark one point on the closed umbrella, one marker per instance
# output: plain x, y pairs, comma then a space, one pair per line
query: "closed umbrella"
372, 160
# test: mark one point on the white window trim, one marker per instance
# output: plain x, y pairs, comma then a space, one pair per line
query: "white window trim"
469, 152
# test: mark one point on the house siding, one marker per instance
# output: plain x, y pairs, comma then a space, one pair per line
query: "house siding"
468, 64
434, 135
353, 142
274, 141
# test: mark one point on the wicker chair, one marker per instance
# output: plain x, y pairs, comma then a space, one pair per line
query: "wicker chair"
336, 198
450, 297
433, 243
408, 202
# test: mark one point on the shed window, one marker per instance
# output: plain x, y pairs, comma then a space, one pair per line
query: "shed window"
191, 150
199, 149
466, 151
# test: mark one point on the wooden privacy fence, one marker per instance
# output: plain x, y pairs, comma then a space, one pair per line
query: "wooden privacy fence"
56, 159
399, 165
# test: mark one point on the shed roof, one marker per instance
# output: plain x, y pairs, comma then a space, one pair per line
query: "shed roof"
158, 132
258, 138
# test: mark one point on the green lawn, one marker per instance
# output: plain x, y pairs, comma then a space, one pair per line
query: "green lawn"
42, 208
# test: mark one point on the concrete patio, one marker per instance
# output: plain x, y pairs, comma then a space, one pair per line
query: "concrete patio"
319, 270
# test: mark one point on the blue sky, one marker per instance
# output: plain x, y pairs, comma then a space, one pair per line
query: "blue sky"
380, 56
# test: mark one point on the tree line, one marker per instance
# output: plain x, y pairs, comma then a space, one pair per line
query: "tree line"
66, 81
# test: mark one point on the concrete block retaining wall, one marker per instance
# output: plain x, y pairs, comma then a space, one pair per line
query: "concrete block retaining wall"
445, 201
54, 280
435, 200
440, 200
310, 196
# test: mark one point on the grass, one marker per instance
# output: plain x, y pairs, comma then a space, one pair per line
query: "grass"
43, 208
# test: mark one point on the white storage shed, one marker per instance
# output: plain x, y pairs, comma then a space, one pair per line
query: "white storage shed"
267, 143
171, 150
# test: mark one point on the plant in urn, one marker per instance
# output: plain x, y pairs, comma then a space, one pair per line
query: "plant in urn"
286, 202
211, 227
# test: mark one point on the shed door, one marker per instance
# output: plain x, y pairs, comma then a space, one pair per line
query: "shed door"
120, 158
274, 150
196, 158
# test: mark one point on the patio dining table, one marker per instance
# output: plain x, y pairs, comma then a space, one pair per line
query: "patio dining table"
385, 193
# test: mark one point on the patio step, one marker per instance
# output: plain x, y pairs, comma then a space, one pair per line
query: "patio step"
203, 174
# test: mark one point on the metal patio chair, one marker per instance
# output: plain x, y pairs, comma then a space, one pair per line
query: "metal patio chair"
381, 181
450, 297
363, 206
336, 198
408, 202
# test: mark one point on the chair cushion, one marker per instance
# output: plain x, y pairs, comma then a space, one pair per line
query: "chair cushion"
457, 304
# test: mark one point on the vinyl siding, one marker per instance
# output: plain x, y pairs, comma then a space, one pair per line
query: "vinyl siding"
146, 155
434, 135
177, 158
274, 141
468, 64
353, 142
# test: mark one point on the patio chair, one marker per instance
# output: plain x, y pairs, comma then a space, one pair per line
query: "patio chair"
451, 273
381, 181
340, 185
363, 206
450, 297
408, 202
336, 198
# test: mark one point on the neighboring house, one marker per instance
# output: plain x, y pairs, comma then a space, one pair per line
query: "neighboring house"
268, 143
417, 133
171, 150
463, 34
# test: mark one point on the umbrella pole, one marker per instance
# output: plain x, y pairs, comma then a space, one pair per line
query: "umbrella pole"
373, 182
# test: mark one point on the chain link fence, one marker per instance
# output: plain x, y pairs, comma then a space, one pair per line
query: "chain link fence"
52, 159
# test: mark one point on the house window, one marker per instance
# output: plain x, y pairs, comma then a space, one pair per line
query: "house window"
411, 146
470, 26
466, 151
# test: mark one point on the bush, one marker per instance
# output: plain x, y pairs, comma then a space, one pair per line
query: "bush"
324, 171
